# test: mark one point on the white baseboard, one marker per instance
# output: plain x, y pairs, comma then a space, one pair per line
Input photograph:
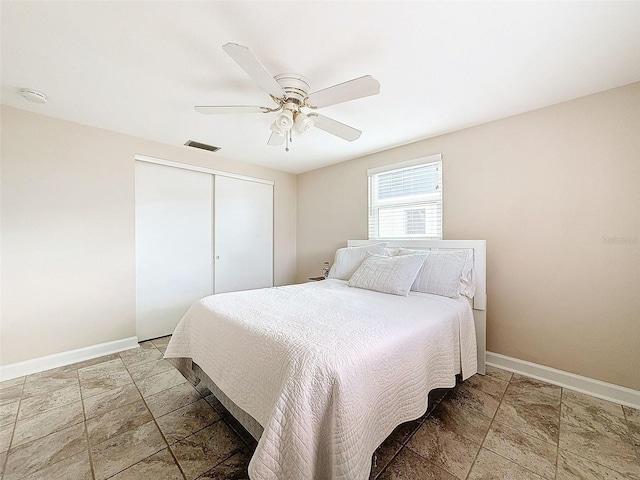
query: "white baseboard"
589, 386
19, 369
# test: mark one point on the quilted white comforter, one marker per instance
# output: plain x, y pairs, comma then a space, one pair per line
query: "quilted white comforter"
328, 370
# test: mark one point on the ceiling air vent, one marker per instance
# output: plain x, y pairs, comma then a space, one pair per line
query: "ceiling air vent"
203, 146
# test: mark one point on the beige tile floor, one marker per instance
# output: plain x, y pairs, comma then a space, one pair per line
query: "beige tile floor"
133, 416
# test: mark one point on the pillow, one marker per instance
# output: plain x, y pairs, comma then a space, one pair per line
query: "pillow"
444, 272
468, 278
348, 259
387, 274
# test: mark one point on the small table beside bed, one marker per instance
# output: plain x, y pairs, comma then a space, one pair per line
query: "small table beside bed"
321, 373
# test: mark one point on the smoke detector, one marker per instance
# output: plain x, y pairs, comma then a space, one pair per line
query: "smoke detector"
33, 95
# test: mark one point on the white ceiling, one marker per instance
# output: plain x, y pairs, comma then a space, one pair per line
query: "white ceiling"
140, 67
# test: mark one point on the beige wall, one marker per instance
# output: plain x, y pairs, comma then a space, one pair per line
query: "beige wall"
68, 266
548, 190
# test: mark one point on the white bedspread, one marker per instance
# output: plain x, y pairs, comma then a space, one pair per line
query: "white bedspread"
328, 370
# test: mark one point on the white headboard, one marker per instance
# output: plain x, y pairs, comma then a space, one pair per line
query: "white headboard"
479, 248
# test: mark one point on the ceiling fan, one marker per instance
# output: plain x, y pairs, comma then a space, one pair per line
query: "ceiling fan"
290, 92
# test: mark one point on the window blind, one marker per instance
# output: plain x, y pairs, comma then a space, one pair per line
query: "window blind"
405, 200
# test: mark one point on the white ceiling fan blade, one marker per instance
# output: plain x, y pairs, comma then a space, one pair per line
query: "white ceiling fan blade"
334, 127
250, 64
215, 109
275, 139
343, 92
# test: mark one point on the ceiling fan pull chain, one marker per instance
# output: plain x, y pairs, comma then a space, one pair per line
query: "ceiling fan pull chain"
286, 136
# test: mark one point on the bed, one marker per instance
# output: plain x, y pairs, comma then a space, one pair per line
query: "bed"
321, 373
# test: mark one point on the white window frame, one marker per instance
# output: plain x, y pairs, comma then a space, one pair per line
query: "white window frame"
408, 202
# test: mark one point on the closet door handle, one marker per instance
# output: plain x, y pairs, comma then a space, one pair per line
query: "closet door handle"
217, 257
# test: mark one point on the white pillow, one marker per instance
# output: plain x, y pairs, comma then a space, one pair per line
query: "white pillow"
467, 285
444, 272
348, 259
387, 274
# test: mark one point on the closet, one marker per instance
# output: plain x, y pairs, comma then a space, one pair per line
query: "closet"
198, 232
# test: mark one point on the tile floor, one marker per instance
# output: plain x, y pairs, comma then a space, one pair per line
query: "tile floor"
133, 416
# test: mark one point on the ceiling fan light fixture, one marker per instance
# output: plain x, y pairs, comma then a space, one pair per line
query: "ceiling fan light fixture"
302, 124
276, 129
284, 120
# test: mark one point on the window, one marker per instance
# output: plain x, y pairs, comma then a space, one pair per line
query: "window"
405, 199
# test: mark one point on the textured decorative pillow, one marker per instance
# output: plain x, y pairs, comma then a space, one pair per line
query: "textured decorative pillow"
444, 272
348, 259
387, 274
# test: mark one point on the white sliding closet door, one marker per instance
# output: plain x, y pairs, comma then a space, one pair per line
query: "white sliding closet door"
243, 234
174, 245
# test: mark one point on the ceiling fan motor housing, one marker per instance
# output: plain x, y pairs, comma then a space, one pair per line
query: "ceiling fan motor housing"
296, 86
